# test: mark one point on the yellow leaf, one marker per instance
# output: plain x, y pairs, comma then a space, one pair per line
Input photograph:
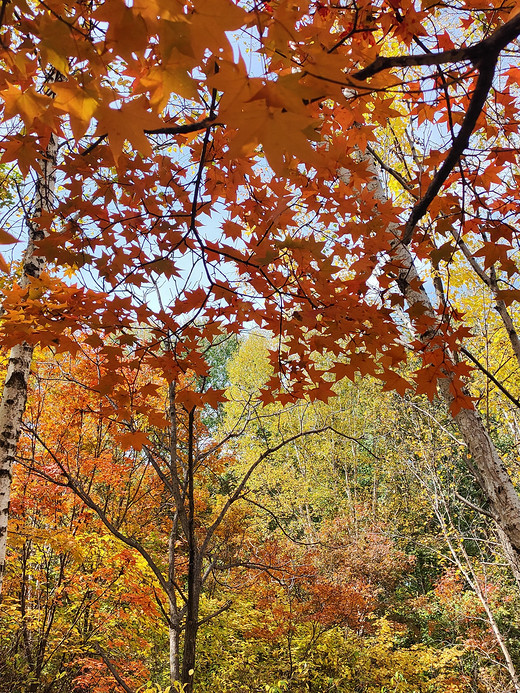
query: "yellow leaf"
168, 79
58, 42
211, 20
78, 102
28, 104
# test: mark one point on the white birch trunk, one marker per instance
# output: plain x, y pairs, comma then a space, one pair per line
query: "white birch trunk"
14, 395
493, 477
491, 282
490, 471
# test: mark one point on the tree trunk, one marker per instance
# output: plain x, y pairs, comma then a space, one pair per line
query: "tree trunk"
173, 637
14, 395
192, 624
490, 472
194, 570
174, 619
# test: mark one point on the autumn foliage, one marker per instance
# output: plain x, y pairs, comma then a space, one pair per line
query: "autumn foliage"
140, 93
195, 508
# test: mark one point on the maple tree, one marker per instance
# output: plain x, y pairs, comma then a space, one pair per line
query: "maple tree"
203, 166
130, 211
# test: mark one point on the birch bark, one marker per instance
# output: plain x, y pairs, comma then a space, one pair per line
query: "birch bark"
14, 395
489, 471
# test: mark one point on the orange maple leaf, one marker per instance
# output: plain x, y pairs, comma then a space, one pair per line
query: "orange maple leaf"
127, 122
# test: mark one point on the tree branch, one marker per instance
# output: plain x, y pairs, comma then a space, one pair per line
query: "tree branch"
476, 53
456, 55
215, 613
210, 121
110, 666
166, 130
490, 376
279, 525
484, 56
461, 141
87, 499
238, 491
476, 508
395, 174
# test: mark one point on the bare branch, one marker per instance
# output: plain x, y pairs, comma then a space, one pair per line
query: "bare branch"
238, 491
208, 122
215, 613
456, 55
395, 174
475, 507
166, 130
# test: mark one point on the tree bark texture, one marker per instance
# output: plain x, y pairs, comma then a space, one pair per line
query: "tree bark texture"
191, 626
174, 616
488, 470
14, 395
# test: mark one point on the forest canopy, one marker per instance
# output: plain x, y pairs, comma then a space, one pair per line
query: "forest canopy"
260, 285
